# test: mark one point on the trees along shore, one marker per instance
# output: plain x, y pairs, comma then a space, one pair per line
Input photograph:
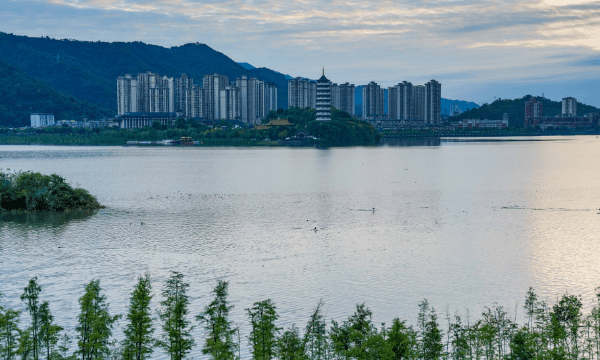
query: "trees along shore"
342, 130
557, 331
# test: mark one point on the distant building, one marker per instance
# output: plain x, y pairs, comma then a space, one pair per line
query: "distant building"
533, 112
481, 124
302, 93
213, 84
569, 107
433, 103
372, 101
41, 120
401, 104
138, 120
323, 105
347, 98
416, 103
127, 94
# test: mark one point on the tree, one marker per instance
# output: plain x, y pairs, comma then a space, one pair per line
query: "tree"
315, 336
219, 343
139, 342
9, 332
263, 336
95, 324
431, 345
177, 340
521, 346
289, 345
49, 332
400, 339
31, 297
349, 339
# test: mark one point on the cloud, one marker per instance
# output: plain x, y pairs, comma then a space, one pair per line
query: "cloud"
464, 43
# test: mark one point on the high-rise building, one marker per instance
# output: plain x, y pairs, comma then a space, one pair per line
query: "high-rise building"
533, 112
161, 95
323, 98
372, 101
335, 96
127, 93
267, 95
433, 103
347, 100
248, 98
182, 85
569, 107
212, 85
194, 102
302, 93
229, 103
146, 81
417, 107
401, 102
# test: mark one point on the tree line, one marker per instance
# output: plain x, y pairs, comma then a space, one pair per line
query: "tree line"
558, 331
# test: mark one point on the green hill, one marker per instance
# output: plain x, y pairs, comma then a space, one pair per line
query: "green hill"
88, 70
21, 94
516, 110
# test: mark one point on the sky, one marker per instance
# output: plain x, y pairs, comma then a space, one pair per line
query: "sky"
478, 50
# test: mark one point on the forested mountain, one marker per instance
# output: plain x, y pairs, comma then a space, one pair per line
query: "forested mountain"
21, 94
516, 110
89, 70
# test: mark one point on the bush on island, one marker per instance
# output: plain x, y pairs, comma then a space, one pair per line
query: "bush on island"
29, 191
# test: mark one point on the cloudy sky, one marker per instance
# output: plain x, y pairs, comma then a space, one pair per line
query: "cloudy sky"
478, 50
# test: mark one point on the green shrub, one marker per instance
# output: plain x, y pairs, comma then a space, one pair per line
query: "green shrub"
29, 191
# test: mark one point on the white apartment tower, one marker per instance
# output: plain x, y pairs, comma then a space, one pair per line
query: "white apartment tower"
569, 107
194, 102
335, 96
372, 98
229, 103
302, 93
182, 86
41, 120
323, 100
213, 84
127, 93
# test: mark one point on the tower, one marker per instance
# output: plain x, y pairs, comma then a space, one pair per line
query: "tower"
323, 102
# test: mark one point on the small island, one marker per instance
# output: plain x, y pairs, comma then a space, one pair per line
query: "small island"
29, 192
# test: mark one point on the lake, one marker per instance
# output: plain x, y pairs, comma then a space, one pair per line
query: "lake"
463, 224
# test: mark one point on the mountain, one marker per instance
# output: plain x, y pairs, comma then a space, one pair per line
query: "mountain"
246, 66
447, 105
516, 110
88, 70
21, 94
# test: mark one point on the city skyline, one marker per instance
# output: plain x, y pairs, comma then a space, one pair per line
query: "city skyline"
536, 47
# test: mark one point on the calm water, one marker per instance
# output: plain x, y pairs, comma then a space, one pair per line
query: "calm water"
463, 224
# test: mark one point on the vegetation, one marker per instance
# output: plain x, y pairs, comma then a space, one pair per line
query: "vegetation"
343, 130
549, 331
88, 70
219, 343
139, 341
177, 340
95, 324
516, 110
29, 191
21, 94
